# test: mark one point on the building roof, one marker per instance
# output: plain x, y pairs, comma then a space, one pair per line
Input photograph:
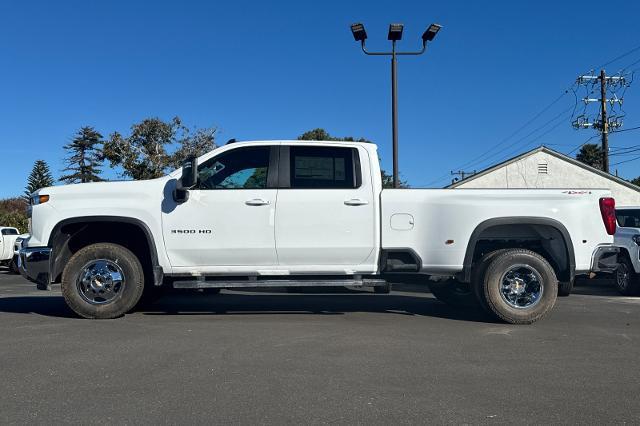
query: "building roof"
549, 151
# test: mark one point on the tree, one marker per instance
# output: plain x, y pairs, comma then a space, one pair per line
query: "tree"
201, 142
83, 161
40, 177
591, 154
144, 154
635, 181
322, 135
13, 213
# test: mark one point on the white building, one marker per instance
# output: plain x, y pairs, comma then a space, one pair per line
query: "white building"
546, 168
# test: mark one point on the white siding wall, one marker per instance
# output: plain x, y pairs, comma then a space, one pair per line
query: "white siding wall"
560, 174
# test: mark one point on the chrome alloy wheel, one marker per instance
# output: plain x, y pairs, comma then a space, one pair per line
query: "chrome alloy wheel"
622, 276
521, 287
100, 281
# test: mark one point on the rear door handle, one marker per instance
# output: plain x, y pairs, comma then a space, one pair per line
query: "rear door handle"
257, 202
355, 202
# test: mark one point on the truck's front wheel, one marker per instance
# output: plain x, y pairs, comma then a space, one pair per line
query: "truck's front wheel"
519, 286
102, 281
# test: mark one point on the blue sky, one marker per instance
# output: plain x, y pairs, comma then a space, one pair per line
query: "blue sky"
272, 70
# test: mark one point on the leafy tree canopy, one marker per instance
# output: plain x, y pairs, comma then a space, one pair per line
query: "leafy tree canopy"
13, 213
154, 146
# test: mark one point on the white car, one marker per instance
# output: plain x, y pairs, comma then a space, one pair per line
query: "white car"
8, 237
300, 213
627, 237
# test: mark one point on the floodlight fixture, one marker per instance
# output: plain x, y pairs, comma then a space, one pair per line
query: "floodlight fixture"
359, 34
395, 32
431, 32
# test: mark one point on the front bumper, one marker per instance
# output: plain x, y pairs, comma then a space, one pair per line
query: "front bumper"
605, 259
34, 264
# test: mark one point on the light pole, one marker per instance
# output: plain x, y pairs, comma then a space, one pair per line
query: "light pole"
395, 34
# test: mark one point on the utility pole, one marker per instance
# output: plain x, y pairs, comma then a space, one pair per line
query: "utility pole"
603, 123
395, 34
604, 126
462, 175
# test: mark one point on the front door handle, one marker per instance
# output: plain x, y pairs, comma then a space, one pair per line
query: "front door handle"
355, 202
257, 202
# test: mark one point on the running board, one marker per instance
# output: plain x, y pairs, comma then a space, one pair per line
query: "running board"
202, 283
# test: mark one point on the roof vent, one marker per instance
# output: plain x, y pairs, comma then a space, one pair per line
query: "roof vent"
543, 168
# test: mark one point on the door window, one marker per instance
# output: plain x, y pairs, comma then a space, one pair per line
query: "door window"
322, 167
242, 168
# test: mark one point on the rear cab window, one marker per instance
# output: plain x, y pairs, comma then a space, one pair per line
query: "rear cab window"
319, 167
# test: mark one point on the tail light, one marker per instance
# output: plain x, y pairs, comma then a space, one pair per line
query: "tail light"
608, 211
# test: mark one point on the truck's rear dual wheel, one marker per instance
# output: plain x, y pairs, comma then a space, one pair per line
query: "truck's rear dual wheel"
102, 281
517, 286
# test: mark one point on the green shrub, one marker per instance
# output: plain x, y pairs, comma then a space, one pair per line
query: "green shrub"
13, 212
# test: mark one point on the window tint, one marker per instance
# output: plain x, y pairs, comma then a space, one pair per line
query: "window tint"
242, 168
628, 218
321, 167
9, 231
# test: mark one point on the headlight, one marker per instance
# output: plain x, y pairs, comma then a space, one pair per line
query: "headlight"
39, 199
636, 239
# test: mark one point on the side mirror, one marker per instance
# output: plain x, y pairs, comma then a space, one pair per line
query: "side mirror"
189, 173
188, 180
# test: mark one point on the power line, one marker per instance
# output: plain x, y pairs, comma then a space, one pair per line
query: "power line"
624, 55
626, 130
626, 161
490, 152
503, 141
582, 144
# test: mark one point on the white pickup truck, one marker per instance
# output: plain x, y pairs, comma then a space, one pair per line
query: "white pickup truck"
292, 213
627, 238
8, 237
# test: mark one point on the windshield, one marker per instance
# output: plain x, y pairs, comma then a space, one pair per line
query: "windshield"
628, 218
10, 231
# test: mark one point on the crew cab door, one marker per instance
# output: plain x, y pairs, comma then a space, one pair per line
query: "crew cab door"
228, 219
326, 207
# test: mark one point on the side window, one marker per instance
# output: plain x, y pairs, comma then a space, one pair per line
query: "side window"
322, 167
242, 168
9, 231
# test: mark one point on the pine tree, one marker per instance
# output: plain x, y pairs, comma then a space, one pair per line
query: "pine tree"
83, 161
40, 177
591, 154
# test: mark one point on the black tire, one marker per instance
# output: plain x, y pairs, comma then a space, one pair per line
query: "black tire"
13, 266
626, 282
454, 293
100, 263
532, 274
382, 289
477, 277
565, 288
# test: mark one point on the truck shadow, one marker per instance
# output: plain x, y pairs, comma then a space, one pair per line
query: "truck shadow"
239, 303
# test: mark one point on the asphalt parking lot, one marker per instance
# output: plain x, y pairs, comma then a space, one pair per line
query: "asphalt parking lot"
354, 357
